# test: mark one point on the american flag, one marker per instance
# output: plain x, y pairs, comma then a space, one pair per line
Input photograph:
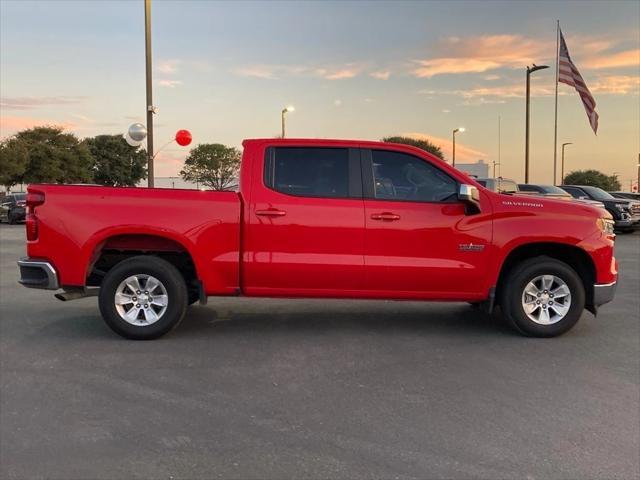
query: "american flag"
569, 74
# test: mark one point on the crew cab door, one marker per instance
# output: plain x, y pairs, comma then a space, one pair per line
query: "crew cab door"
419, 242
305, 233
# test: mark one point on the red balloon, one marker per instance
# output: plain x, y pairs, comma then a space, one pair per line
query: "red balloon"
183, 137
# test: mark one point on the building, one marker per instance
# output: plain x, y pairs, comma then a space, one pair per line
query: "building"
480, 169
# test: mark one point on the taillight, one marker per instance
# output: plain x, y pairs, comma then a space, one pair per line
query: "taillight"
34, 199
31, 224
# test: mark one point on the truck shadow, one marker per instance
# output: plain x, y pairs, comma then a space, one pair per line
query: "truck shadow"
451, 319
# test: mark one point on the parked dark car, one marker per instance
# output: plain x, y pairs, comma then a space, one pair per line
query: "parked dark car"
13, 208
625, 220
551, 191
626, 195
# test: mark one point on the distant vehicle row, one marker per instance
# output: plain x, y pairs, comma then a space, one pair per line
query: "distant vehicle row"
624, 207
13, 208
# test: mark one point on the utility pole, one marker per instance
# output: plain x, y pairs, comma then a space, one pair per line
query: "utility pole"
149, 106
530, 70
562, 165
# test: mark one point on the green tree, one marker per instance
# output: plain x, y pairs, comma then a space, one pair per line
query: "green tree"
13, 162
54, 156
425, 145
116, 163
213, 165
594, 178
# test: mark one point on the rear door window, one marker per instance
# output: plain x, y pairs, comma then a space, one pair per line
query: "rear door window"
309, 171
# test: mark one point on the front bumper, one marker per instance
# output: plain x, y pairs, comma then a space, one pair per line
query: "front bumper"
38, 274
603, 293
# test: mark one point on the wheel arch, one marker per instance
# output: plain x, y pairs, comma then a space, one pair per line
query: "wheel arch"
109, 250
571, 255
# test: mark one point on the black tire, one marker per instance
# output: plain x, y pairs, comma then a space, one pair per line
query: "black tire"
170, 278
512, 294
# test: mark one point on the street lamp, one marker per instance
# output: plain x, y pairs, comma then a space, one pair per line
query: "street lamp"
562, 164
284, 111
530, 70
459, 129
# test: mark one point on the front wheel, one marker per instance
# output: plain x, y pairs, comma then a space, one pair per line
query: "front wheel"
143, 297
543, 297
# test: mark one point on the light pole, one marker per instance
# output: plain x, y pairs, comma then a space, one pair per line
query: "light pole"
495, 164
284, 111
562, 165
150, 107
530, 70
459, 129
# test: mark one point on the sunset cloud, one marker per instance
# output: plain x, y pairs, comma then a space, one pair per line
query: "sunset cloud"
456, 55
168, 67
169, 83
10, 125
381, 75
628, 58
272, 72
29, 103
463, 152
480, 54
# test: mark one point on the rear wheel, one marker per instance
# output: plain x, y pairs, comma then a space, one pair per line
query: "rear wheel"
543, 297
143, 297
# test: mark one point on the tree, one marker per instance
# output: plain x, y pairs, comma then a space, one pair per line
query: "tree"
213, 165
13, 162
594, 178
53, 156
116, 163
425, 145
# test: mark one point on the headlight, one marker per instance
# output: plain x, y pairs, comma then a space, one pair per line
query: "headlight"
606, 225
619, 207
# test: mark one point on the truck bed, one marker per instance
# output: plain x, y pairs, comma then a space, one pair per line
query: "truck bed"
79, 221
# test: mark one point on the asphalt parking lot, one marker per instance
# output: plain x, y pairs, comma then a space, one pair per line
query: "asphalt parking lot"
316, 389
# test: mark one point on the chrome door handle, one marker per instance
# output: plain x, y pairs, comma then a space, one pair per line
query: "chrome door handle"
385, 216
271, 212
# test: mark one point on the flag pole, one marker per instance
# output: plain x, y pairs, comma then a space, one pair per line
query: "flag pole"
555, 128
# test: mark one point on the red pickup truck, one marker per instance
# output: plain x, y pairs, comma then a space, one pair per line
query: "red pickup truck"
323, 219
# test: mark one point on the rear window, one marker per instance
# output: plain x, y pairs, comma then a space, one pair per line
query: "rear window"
308, 171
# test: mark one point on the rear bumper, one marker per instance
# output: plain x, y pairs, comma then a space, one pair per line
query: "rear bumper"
603, 293
38, 274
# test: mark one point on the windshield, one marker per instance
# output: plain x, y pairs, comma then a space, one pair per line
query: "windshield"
598, 194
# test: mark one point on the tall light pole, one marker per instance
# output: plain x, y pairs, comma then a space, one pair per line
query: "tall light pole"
562, 165
150, 107
638, 179
459, 129
530, 70
495, 164
284, 111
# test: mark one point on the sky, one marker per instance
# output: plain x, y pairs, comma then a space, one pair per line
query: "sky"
358, 70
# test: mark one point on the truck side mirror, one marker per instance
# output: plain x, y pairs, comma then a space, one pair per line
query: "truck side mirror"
470, 196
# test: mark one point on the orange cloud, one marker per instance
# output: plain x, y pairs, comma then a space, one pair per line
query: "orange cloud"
11, 125
29, 103
616, 85
272, 72
628, 58
480, 54
463, 153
